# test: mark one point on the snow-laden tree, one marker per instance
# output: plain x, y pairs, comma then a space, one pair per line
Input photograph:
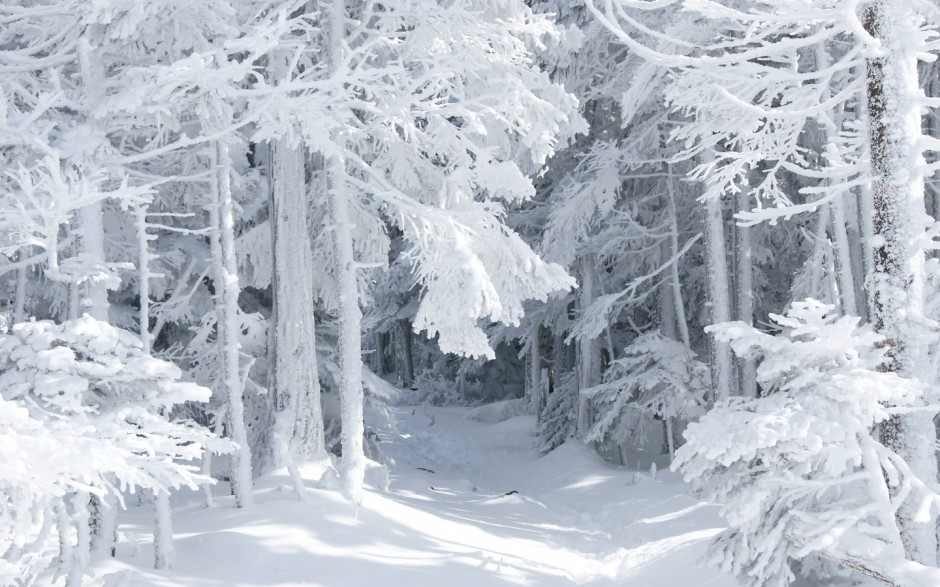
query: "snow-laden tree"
656, 378
798, 471
85, 396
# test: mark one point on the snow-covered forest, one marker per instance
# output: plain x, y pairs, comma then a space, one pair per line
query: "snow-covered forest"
469, 292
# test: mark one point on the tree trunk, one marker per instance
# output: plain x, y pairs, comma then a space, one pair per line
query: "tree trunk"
404, 354
379, 353
818, 278
899, 223
718, 297
745, 293
350, 343
295, 377
681, 320
163, 551
350, 315
19, 304
588, 360
227, 322
843, 258
667, 306
534, 364
79, 562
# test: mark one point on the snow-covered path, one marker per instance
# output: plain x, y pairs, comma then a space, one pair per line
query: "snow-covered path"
469, 504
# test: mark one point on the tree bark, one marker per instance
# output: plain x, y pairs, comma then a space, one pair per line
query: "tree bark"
350, 338
744, 270
680, 317
899, 223
718, 297
294, 379
404, 354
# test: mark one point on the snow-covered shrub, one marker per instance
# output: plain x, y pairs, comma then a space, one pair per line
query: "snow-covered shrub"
798, 471
437, 390
80, 414
558, 423
657, 378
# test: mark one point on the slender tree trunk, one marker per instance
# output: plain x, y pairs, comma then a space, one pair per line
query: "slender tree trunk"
19, 303
143, 277
64, 530
899, 223
842, 258
379, 353
350, 315
718, 297
534, 364
102, 510
745, 293
817, 275
404, 354
857, 251
559, 360
350, 339
588, 363
681, 320
91, 222
163, 551
227, 322
91, 236
82, 547
667, 306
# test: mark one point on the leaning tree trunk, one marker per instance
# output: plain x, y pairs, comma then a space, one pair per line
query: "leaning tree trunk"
899, 223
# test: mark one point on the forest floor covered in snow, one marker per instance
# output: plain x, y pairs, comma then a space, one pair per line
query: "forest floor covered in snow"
469, 504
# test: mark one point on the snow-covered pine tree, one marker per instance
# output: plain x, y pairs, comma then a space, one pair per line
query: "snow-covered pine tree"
84, 394
657, 378
798, 471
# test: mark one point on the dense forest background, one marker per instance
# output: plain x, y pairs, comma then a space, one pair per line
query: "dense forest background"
702, 228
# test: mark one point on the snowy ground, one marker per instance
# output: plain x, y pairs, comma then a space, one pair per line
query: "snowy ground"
469, 504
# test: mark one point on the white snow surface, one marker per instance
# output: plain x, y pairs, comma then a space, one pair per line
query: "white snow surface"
469, 504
